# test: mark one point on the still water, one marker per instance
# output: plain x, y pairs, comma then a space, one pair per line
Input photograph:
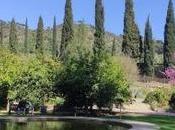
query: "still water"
59, 125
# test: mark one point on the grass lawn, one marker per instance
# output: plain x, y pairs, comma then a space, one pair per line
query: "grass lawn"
164, 122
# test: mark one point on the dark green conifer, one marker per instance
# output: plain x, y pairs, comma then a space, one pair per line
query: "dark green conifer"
54, 44
141, 50
169, 37
1, 34
13, 37
148, 67
26, 37
131, 38
67, 30
99, 43
113, 47
40, 37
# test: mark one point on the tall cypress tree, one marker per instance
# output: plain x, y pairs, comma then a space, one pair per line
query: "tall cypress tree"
40, 37
1, 34
141, 50
54, 44
13, 37
131, 38
113, 52
67, 30
169, 37
26, 37
99, 43
148, 51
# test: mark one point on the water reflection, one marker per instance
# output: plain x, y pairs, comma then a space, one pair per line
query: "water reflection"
45, 125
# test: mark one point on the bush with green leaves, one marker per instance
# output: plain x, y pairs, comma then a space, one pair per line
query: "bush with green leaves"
74, 82
157, 98
111, 83
37, 80
27, 77
10, 69
84, 83
172, 101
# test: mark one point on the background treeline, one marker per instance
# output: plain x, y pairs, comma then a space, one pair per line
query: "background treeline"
87, 55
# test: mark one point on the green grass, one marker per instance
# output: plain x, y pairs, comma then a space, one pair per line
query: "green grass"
164, 122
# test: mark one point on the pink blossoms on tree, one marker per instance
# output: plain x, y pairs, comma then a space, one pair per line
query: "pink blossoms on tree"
169, 73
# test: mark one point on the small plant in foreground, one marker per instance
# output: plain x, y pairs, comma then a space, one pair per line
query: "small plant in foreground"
156, 99
172, 101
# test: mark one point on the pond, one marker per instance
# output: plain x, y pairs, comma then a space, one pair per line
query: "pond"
58, 125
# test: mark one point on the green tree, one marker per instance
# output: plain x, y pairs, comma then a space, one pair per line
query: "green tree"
113, 52
99, 43
40, 37
81, 86
26, 37
141, 50
10, 69
148, 51
110, 81
67, 30
169, 37
36, 80
26, 77
54, 44
13, 41
131, 37
1, 34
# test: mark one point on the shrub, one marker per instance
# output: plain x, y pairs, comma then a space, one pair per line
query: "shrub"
26, 77
74, 82
82, 84
172, 101
169, 73
156, 98
36, 80
111, 82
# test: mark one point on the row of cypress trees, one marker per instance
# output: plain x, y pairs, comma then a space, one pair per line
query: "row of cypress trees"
68, 33
144, 51
13, 39
132, 44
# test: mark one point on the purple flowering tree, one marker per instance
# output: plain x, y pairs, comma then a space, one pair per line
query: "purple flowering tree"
169, 73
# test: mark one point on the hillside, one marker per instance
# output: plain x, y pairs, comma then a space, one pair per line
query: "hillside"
109, 37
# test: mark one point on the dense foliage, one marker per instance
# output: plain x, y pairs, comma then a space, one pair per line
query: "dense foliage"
111, 82
90, 74
82, 85
27, 77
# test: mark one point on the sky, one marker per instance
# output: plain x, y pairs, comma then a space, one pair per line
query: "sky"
84, 10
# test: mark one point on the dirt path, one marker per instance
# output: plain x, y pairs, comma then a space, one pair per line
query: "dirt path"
141, 108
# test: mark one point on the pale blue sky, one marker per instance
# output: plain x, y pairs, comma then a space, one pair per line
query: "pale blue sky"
84, 10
